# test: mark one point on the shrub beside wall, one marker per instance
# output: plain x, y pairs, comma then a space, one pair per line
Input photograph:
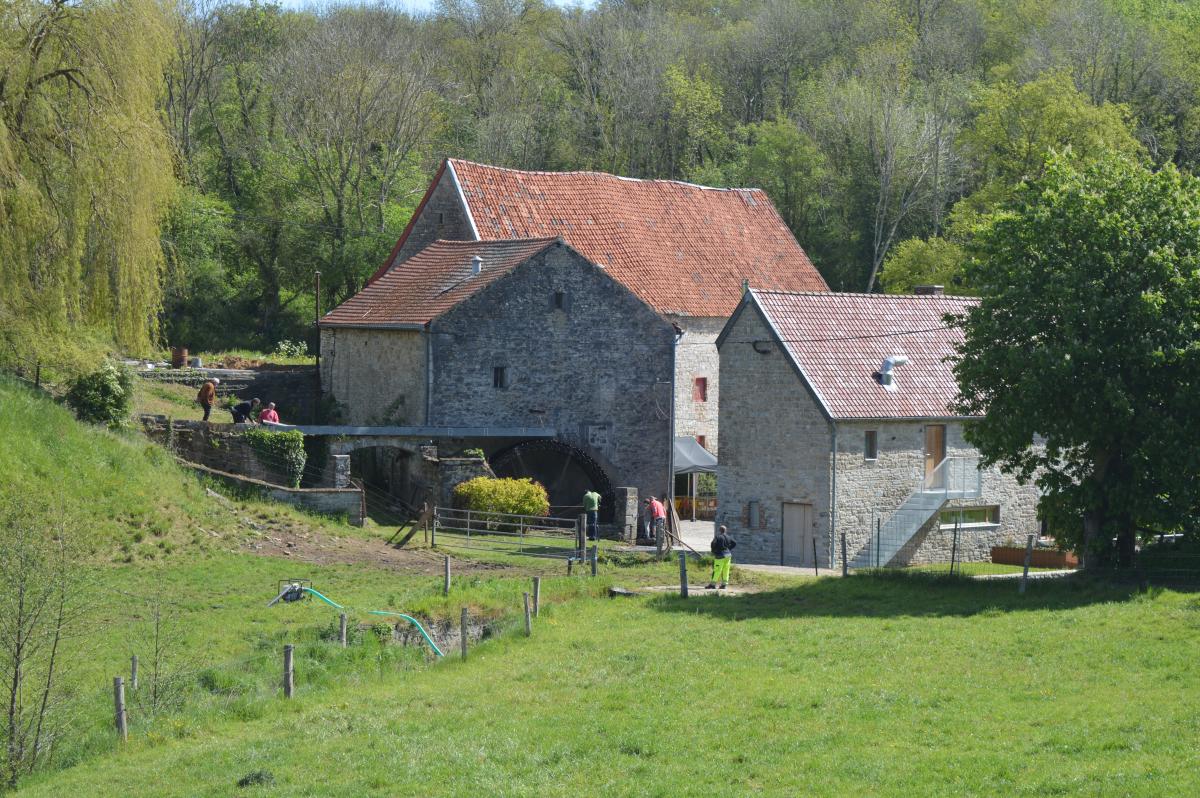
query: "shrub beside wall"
494, 495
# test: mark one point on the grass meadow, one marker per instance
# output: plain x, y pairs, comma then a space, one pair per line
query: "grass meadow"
883, 684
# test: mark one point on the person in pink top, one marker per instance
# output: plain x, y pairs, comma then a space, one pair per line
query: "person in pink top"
658, 516
269, 416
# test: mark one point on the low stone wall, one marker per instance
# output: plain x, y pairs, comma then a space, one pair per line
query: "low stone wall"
222, 447
326, 501
453, 471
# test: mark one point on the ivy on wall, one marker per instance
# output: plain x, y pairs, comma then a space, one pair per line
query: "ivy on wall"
280, 450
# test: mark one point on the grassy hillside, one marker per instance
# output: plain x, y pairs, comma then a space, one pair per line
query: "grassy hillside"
836, 687
127, 498
901, 686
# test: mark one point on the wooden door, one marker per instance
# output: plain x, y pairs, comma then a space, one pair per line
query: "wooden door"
797, 534
935, 453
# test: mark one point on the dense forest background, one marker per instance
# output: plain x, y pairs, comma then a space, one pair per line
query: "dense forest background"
178, 172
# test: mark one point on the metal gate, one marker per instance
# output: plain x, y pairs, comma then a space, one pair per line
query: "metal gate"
506, 533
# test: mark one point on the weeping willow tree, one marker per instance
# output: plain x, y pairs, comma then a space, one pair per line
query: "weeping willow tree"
85, 169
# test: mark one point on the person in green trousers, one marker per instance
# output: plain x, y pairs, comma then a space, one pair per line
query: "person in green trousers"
722, 552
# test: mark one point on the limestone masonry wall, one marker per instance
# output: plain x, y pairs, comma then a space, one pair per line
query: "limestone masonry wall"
377, 377
775, 446
696, 356
442, 217
597, 370
867, 490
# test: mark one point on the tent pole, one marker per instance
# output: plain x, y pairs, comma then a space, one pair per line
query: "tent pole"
694, 480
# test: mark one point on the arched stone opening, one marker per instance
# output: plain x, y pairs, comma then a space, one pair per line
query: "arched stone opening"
566, 471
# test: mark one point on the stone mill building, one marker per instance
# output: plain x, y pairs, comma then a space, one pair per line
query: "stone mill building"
836, 420
579, 303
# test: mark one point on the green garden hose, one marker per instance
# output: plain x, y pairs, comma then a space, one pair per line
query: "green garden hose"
408, 618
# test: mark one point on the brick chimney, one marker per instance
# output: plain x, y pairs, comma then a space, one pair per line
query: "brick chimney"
929, 290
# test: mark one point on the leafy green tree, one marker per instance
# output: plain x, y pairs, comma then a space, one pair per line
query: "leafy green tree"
1083, 355
786, 163
919, 261
1017, 128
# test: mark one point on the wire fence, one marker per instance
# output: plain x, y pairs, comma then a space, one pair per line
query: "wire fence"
526, 535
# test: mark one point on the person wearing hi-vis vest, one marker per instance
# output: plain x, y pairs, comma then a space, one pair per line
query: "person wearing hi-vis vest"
722, 552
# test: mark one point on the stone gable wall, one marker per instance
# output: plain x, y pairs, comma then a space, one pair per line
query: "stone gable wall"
598, 372
444, 202
775, 446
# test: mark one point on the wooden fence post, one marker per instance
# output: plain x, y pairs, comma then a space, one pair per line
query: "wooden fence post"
119, 708
1028, 557
570, 565
288, 673
683, 585
446, 586
845, 562
954, 547
815, 571
133, 663
593, 557
528, 619
581, 535
537, 596
462, 632
342, 629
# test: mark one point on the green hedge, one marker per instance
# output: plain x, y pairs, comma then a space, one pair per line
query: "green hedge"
280, 450
516, 496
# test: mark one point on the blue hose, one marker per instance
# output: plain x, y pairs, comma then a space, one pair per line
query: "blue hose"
408, 618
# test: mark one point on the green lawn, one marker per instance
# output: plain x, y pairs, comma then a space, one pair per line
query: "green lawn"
892, 684
881, 685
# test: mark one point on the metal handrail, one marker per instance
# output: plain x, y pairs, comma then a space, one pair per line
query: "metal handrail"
951, 475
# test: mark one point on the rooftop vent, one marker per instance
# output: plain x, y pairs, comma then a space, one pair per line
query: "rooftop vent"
929, 290
884, 376
476, 265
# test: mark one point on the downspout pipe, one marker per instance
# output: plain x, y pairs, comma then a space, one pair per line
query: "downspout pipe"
428, 374
679, 333
833, 498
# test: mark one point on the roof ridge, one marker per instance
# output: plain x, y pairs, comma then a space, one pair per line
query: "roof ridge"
605, 174
922, 297
483, 242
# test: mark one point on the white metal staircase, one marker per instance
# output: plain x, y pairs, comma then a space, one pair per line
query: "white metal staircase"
954, 478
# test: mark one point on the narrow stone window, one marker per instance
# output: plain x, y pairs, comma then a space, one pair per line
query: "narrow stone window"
560, 300
700, 389
871, 445
500, 377
441, 218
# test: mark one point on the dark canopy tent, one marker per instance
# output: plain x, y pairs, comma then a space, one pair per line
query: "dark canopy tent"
691, 458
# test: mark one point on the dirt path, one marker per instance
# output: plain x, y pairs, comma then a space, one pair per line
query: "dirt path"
296, 542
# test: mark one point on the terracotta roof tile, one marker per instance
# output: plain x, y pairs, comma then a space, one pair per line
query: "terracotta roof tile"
682, 248
840, 340
431, 282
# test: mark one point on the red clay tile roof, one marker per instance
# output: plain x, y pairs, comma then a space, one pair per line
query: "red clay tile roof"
431, 282
840, 340
681, 248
